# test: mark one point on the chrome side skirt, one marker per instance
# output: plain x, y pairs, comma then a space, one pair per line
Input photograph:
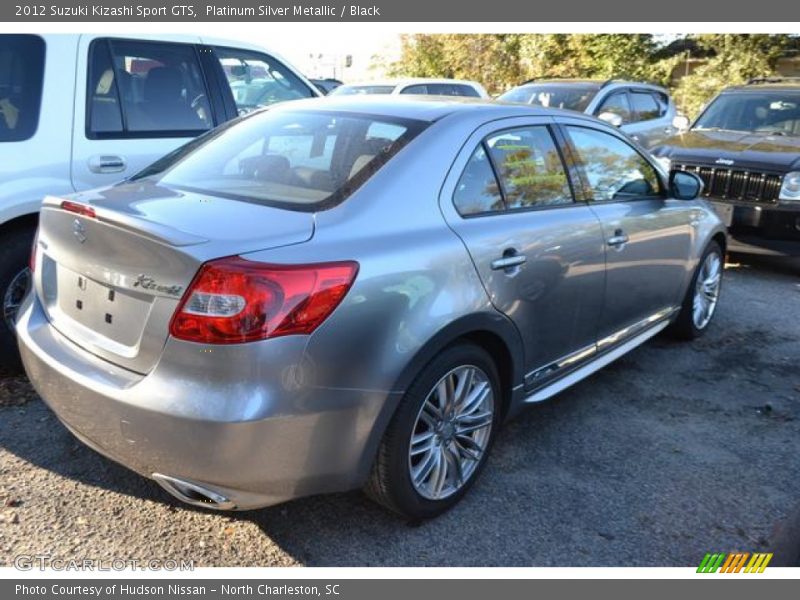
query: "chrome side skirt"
598, 363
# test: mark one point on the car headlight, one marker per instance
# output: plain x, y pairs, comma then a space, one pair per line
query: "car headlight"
790, 190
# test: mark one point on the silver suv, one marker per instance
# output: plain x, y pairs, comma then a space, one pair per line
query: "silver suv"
642, 110
352, 292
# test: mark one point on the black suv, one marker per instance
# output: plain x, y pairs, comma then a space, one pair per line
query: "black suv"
745, 145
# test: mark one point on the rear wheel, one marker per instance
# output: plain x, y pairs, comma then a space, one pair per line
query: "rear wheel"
439, 438
702, 297
15, 249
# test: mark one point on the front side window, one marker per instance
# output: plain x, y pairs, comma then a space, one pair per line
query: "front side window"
614, 169
770, 112
529, 167
477, 191
297, 160
617, 104
138, 88
259, 80
21, 78
645, 106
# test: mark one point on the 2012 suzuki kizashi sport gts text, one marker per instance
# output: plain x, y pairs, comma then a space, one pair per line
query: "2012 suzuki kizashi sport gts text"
337, 293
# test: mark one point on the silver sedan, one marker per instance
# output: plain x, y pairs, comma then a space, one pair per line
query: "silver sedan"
356, 292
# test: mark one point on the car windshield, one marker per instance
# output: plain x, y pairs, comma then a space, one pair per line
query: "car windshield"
773, 112
352, 90
572, 97
303, 160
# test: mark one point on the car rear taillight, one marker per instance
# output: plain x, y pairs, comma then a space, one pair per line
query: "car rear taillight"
234, 300
32, 261
79, 209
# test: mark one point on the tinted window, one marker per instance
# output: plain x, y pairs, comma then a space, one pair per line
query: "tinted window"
441, 89
159, 88
291, 159
259, 80
529, 167
614, 169
478, 191
617, 104
416, 89
645, 106
572, 97
768, 111
663, 103
21, 74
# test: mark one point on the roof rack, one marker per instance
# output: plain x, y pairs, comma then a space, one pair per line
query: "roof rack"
775, 79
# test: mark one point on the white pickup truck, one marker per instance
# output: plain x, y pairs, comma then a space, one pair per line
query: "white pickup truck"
83, 111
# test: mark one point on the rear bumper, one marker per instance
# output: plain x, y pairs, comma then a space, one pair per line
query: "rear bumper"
247, 423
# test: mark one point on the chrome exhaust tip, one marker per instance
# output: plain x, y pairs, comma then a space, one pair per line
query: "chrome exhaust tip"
193, 494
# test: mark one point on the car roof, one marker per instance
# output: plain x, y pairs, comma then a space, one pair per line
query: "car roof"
410, 81
788, 85
425, 108
593, 83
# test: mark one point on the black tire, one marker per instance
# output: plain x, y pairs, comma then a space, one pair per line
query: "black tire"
15, 251
390, 483
684, 327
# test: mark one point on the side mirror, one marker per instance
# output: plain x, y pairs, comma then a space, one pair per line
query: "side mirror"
685, 186
680, 122
612, 119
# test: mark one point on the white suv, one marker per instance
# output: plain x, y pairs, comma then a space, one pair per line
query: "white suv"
82, 111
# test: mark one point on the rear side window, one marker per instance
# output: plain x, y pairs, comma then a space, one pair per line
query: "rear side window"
617, 104
21, 79
259, 80
530, 168
290, 159
145, 89
477, 191
614, 170
441, 89
645, 106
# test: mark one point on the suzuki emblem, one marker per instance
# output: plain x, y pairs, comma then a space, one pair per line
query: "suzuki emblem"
79, 230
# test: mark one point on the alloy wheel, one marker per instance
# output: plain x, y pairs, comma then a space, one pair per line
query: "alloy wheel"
14, 294
707, 289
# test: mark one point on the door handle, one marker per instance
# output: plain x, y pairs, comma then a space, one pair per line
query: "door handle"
508, 261
107, 163
618, 239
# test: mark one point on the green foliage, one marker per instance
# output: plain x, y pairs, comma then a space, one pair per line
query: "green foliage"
501, 61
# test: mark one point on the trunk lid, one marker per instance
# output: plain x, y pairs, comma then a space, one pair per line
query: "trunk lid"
111, 283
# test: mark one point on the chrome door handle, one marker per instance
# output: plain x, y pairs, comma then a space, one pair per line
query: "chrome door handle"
618, 239
106, 163
508, 262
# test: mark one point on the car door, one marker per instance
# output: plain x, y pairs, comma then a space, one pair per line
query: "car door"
138, 100
648, 235
648, 125
538, 251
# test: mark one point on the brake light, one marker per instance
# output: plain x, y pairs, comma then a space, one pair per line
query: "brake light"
79, 209
32, 261
234, 300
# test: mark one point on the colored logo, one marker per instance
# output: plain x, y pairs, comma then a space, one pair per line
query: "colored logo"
735, 562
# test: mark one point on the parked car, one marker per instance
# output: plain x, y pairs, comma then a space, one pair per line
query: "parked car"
644, 111
80, 111
745, 145
356, 291
415, 86
326, 86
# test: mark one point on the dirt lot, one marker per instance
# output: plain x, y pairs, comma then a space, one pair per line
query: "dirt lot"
671, 452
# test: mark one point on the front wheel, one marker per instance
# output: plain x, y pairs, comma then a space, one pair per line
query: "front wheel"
439, 438
702, 297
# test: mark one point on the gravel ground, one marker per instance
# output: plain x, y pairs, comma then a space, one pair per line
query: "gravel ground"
671, 452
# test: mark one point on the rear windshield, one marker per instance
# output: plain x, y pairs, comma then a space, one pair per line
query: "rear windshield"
21, 73
301, 160
353, 90
571, 97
